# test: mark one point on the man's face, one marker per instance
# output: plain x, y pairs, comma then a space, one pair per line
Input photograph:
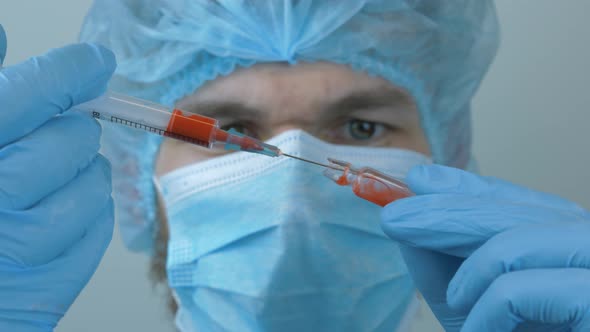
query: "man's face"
329, 101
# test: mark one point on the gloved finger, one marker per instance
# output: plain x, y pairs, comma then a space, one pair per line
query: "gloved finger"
36, 236
541, 246
558, 297
46, 159
50, 288
437, 179
3, 44
34, 91
458, 224
431, 273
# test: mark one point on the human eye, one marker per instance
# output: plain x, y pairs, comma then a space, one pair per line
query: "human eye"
361, 130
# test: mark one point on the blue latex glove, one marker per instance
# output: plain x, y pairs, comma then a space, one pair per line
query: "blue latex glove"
56, 212
488, 255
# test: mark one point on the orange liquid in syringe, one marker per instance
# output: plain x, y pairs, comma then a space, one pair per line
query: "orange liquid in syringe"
195, 128
202, 130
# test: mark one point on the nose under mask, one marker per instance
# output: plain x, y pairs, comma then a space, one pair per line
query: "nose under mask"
270, 244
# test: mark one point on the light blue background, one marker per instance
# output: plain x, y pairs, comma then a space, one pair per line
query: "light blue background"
531, 119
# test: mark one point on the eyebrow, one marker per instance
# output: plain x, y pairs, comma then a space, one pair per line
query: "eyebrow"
353, 102
370, 99
234, 110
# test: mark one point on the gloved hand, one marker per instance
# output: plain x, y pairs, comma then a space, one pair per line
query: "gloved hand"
488, 255
56, 212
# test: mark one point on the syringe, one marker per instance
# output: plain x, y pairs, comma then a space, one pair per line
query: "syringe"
366, 183
174, 123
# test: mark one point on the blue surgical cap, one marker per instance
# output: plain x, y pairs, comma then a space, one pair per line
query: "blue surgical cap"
438, 50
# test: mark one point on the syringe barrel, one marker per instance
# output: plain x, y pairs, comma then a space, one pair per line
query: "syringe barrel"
152, 117
178, 124
127, 110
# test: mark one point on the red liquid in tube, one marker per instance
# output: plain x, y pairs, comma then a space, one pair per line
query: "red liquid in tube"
370, 184
378, 191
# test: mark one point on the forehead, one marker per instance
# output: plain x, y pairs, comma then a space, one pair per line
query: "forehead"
277, 88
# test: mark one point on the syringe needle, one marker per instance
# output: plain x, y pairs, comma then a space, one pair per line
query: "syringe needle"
311, 161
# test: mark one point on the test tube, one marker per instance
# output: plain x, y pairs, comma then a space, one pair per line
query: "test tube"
175, 123
367, 183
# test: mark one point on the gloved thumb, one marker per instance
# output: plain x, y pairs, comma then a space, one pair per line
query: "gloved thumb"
2, 45
438, 179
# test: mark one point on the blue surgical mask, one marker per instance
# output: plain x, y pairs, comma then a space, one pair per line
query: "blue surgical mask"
269, 244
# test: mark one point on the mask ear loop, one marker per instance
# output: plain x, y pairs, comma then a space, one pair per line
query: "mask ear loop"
175, 297
160, 202
157, 186
161, 211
